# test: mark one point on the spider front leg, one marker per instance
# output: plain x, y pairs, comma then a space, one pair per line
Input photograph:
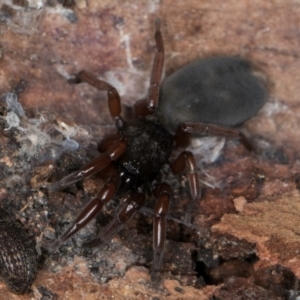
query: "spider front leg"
87, 214
185, 162
130, 205
159, 227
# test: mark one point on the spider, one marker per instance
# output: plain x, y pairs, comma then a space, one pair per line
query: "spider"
221, 90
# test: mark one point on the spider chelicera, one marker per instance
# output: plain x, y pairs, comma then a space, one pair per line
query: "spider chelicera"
222, 90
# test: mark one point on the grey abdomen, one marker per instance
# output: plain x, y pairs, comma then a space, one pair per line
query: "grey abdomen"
219, 90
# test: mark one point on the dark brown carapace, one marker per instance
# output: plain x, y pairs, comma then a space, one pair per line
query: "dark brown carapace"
135, 155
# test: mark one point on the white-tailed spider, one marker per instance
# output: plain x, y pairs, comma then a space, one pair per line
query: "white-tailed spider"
205, 97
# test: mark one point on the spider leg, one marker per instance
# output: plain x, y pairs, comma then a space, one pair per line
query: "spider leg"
87, 214
147, 106
99, 163
107, 141
150, 212
130, 205
114, 101
159, 228
185, 162
212, 130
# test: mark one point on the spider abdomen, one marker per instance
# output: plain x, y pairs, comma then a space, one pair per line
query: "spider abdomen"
222, 90
149, 147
